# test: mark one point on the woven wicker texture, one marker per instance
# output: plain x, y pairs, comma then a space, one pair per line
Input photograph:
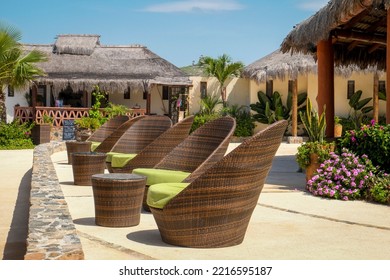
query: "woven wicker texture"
200, 150
215, 209
118, 199
111, 140
85, 165
141, 134
76, 147
159, 148
107, 128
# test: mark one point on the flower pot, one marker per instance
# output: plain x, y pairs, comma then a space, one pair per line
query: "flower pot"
314, 165
41, 133
338, 130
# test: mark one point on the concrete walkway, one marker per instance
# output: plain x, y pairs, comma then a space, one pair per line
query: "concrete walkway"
288, 223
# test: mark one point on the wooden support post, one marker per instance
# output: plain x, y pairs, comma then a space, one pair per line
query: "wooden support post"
294, 113
375, 97
34, 93
325, 95
388, 71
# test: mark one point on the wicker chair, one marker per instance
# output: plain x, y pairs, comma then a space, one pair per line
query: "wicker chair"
140, 134
214, 209
199, 151
159, 148
107, 128
111, 140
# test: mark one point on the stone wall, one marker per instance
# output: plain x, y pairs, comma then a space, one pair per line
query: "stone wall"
52, 234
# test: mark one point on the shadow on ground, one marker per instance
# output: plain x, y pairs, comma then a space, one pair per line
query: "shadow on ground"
15, 247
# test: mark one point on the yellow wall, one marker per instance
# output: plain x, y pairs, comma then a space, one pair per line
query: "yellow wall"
237, 90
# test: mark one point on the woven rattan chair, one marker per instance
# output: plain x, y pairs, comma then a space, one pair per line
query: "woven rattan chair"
198, 152
214, 209
107, 128
111, 140
159, 148
140, 134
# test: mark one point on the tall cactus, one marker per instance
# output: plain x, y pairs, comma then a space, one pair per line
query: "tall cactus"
315, 125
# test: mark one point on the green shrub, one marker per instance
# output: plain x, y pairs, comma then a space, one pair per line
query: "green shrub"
200, 120
15, 136
372, 140
379, 189
88, 123
244, 121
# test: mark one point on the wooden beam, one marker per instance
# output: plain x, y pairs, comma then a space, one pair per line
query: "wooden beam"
360, 36
374, 48
353, 45
355, 20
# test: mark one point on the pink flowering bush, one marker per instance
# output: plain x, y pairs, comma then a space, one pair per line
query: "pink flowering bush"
343, 176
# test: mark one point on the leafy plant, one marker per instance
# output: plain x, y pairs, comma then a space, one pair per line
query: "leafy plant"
87, 123
200, 120
209, 105
113, 110
15, 136
379, 188
372, 140
343, 176
47, 119
322, 150
244, 120
358, 109
271, 108
315, 124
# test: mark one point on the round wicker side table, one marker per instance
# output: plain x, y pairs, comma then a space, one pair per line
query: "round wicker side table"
118, 199
77, 147
85, 165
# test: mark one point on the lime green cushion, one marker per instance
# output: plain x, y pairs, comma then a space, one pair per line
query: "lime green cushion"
157, 176
120, 160
94, 145
160, 194
110, 155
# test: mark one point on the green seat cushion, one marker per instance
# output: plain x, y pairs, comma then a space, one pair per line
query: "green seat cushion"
160, 194
120, 160
94, 145
110, 155
157, 176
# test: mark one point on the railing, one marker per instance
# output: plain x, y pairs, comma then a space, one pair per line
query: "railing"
59, 114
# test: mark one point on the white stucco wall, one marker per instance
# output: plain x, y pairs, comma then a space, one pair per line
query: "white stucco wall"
11, 101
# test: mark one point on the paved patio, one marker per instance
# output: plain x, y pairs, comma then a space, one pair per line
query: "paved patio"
287, 224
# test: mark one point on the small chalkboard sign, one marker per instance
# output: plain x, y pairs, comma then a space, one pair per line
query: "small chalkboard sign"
68, 132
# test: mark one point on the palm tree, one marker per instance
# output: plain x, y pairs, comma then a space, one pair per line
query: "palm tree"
17, 67
221, 68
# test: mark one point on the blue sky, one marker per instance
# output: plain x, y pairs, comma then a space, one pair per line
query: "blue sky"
179, 31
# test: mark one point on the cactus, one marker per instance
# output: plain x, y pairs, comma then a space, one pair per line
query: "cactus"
315, 125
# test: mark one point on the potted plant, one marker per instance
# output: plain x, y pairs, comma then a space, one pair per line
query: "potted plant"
316, 150
41, 131
338, 127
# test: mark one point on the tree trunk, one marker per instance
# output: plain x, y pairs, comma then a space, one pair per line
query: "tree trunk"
3, 112
223, 95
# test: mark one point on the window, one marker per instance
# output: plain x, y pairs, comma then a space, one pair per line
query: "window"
382, 87
203, 90
269, 89
145, 95
126, 94
11, 92
165, 93
350, 89
290, 86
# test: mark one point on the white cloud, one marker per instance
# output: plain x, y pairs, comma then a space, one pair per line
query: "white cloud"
313, 5
195, 5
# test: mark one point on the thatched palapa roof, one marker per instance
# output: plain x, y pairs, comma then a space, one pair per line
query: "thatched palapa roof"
279, 65
358, 29
81, 62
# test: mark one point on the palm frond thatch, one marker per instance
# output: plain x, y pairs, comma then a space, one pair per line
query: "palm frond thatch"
80, 61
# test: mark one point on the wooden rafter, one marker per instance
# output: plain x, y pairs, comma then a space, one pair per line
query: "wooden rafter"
359, 36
